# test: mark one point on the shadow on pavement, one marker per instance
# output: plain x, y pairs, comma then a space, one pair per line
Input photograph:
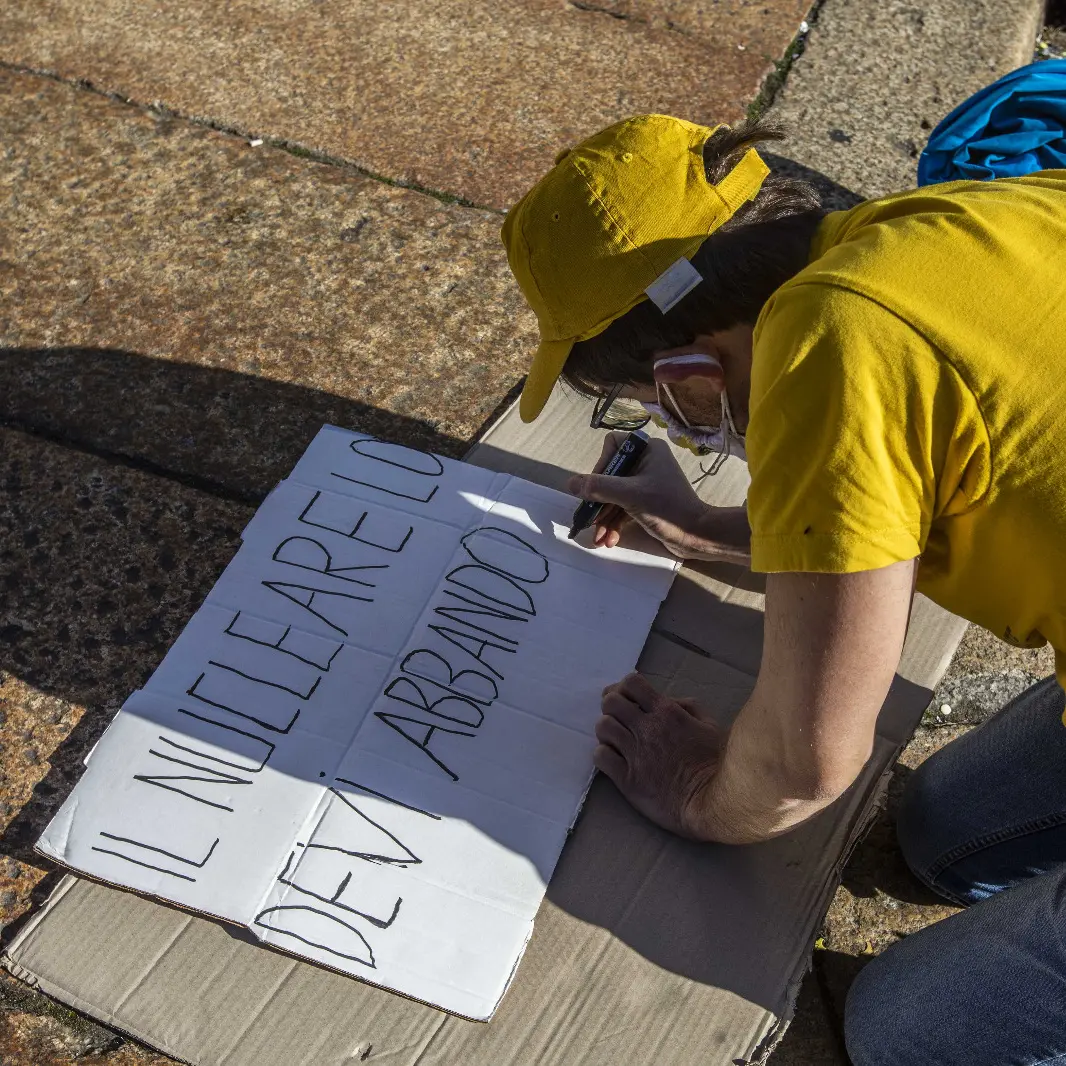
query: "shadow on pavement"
834, 197
876, 865
104, 564
105, 560
217, 429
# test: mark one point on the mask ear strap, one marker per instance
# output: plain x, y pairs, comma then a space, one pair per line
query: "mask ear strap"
727, 415
721, 457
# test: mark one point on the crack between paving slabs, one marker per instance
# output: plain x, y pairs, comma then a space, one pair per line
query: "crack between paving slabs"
132, 462
290, 147
775, 81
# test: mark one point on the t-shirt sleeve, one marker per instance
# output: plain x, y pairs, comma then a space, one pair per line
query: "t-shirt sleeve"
853, 438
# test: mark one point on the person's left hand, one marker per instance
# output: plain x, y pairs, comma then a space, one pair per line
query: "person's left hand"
660, 754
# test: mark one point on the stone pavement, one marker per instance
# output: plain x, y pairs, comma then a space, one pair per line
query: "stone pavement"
180, 311
179, 297
877, 77
473, 98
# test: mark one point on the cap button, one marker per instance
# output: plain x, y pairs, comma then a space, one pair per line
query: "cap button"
627, 157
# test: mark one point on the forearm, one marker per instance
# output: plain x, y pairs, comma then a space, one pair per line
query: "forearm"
743, 805
831, 646
773, 777
720, 533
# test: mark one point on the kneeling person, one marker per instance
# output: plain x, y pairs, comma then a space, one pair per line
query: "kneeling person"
896, 376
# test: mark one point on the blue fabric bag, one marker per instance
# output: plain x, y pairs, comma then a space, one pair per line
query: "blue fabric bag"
1013, 127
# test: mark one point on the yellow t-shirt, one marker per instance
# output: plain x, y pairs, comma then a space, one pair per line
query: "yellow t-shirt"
908, 398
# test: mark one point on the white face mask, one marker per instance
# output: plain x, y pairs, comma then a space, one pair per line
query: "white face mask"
725, 439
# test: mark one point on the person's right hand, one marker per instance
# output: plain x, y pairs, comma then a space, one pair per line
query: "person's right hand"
657, 496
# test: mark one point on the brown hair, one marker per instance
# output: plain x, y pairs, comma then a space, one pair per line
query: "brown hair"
764, 244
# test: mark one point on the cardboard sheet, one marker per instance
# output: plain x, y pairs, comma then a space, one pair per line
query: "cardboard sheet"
646, 949
369, 746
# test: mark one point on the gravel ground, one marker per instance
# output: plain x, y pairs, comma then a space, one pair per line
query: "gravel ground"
1051, 44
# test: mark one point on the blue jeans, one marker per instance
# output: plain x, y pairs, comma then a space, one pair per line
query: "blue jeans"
982, 822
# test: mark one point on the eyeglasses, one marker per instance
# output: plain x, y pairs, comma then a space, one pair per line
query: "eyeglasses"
613, 412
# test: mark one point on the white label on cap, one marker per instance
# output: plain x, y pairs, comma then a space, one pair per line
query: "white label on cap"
672, 284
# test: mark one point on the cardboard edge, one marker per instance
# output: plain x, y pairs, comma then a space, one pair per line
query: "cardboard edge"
68, 1000
55, 991
73, 875
491, 428
861, 824
37, 916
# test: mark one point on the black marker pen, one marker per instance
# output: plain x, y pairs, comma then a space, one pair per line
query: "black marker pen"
623, 462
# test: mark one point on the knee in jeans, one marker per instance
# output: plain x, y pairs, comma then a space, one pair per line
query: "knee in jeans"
871, 1021
926, 822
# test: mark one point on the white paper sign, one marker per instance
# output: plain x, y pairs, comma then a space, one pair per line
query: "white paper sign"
369, 745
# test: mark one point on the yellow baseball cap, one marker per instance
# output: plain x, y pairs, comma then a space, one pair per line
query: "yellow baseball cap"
614, 222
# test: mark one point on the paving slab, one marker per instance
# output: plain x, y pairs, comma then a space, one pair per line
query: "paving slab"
474, 99
101, 567
985, 675
170, 293
879, 901
875, 78
750, 25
